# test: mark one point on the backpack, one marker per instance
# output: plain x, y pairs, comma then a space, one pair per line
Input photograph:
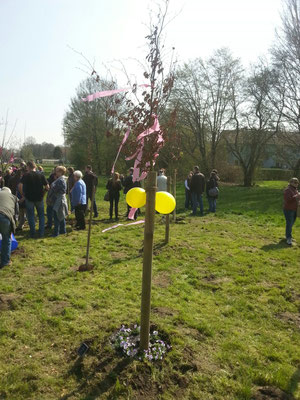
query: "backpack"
213, 192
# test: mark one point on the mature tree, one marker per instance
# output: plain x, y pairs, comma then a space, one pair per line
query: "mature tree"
286, 91
57, 153
89, 126
254, 120
6, 140
203, 93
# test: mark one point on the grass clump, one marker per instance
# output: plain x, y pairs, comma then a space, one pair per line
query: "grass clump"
225, 292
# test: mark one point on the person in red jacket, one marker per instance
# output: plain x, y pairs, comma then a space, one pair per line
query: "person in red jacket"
291, 199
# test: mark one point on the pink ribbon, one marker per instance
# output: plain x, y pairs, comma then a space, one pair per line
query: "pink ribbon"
106, 93
120, 148
139, 153
116, 226
132, 213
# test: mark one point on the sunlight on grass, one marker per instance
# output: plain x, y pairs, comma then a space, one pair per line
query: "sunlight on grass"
225, 290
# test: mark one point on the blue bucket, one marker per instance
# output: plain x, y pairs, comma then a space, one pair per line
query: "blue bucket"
14, 243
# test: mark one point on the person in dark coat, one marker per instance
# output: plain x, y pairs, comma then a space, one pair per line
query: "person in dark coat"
114, 186
128, 184
49, 209
7, 177
91, 181
211, 184
14, 181
197, 187
33, 186
291, 198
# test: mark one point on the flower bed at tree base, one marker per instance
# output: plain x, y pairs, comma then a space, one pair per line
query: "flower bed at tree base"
126, 341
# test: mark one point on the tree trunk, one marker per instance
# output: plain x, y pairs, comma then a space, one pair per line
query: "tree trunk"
248, 177
296, 171
167, 231
147, 260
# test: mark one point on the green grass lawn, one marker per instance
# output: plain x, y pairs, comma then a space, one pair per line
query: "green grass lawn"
225, 291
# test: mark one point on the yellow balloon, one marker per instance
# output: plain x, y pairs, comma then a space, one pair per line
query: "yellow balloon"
136, 197
164, 202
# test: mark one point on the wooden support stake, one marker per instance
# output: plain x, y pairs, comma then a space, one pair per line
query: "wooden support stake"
174, 193
167, 232
147, 260
90, 228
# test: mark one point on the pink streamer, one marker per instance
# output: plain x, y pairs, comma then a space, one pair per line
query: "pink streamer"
120, 148
106, 93
154, 128
116, 226
139, 153
132, 213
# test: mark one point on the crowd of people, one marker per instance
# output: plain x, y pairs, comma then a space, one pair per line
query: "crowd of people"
23, 188
196, 185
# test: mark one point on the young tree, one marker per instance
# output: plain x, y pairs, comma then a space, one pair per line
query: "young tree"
142, 118
286, 90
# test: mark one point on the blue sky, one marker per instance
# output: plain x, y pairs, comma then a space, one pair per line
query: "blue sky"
39, 73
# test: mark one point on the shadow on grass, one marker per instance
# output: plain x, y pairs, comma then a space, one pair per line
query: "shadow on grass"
89, 386
275, 246
294, 382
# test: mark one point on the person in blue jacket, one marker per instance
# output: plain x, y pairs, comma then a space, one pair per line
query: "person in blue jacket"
78, 200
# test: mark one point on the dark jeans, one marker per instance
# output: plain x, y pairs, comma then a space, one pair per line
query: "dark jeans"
59, 226
5, 230
114, 199
290, 218
79, 215
188, 199
212, 201
49, 216
39, 205
197, 199
94, 205
21, 220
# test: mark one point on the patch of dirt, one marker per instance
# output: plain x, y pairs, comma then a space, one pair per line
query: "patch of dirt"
37, 270
210, 259
214, 280
58, 307
192, 362
161, 280
249, 249
270, 392
20, 252
84, 267
118, 255
8, 301
163, 311
291, 318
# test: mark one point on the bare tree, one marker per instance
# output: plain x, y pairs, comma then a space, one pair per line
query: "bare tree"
90, 128
286, 90
6, 142
204, 93
254, 119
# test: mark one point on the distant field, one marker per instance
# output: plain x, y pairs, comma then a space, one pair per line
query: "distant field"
225, 291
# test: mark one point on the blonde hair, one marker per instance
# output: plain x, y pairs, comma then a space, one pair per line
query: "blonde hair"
294, 180
61, 169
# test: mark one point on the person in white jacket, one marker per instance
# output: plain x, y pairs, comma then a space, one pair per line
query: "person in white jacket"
161, 181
